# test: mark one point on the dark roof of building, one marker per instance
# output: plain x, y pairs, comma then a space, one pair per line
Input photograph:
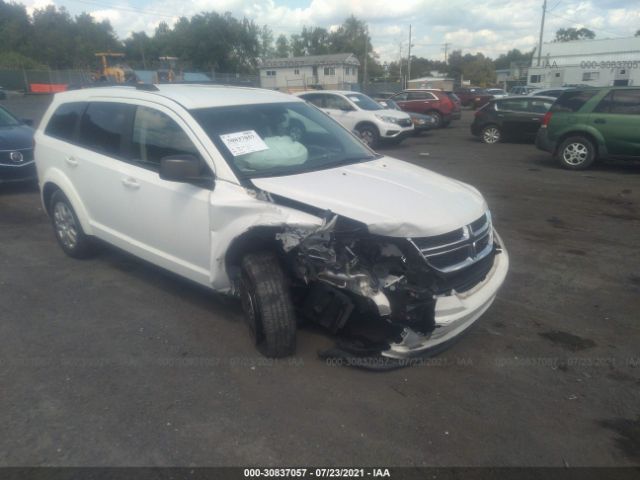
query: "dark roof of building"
332, 59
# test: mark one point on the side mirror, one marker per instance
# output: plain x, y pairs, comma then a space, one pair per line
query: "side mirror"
347, 108
182, 168
27, 121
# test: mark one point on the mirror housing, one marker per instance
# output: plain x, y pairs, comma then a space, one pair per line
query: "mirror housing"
347, 108
183, 168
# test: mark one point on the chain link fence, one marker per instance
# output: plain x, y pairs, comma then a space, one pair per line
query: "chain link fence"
52, 81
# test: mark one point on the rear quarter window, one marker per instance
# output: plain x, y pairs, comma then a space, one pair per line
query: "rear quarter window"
573, 101
64, 121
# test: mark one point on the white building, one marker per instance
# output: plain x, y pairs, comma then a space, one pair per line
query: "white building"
335, 71
597, 63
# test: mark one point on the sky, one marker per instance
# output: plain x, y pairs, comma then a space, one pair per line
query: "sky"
491, 27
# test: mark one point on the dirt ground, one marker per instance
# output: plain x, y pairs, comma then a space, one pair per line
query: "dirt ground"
112, 361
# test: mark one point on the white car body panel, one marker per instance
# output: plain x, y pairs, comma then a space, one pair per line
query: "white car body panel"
392, 197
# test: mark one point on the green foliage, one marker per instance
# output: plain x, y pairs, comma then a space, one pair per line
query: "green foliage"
282, 47
513, 56
52, 37
13, 60
478, 69
569, 34
638, 33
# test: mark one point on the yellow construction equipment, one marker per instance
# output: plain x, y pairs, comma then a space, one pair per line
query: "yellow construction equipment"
113, 69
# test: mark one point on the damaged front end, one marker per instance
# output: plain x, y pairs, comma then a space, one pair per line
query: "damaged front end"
399, 297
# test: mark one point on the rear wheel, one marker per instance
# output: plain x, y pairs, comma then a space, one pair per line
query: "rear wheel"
490, 134
576, 153
71, 238
267, 306
438, 118
369, 135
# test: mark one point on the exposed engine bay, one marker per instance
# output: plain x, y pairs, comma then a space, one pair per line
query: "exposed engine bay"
350, 276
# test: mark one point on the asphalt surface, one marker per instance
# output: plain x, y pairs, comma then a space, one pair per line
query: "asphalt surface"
112, 361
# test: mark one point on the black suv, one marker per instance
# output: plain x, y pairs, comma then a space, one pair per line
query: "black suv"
511, 117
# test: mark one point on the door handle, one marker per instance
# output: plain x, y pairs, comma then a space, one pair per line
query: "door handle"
71, 161
130, 183
599, 120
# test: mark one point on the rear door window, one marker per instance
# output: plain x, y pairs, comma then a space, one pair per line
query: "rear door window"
626, 102
64, 121
539, 105
512, 105
572, 101
104, 125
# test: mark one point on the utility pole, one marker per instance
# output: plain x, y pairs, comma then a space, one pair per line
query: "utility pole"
400, 73
544, 11
446, 49
409, 58
365, 80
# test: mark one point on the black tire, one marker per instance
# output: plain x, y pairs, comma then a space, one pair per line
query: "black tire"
490, 134
267, 306
576, 153
446, 124
438, 118
67, 229
369, 135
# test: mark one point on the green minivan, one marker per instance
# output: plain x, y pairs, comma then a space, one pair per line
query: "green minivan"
588, 124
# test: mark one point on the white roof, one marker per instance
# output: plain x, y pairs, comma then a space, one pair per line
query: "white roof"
189, 96
575, 52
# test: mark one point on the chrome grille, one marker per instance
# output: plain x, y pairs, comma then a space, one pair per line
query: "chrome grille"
404, 122
460, 248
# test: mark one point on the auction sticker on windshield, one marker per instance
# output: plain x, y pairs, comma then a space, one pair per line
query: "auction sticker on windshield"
241, 143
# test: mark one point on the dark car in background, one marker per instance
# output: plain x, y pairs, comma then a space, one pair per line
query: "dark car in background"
421, 123
428, 102
588, 124
3, 94
510, 118
472, 96
16, 149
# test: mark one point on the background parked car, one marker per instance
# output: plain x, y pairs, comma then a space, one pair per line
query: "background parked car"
510, 118
16, 148
473, 97
3, 94
521, 90
497, 92
585, 125
429, 102
550, 92
421, 123
363, 115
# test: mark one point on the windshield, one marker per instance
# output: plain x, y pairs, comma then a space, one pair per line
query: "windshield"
392, 105
363, 102
279, 139
7, 120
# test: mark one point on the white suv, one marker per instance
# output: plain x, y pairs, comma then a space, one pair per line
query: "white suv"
255, 193
362, 115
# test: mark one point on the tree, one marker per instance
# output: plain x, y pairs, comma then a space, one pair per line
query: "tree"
266, 42
513, 56
282, 47
297, 45
569, 34
638, 33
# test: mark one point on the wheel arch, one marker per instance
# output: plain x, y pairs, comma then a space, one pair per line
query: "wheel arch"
55, 180
367, 123
592, 136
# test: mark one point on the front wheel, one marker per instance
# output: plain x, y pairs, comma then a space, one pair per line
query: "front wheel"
369, 135
576, 153
267, 306
490, 134
438, 119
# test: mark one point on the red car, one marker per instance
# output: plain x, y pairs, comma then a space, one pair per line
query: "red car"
429, 102
473, 96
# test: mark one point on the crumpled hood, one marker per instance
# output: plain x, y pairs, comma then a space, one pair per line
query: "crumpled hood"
392, 197
16, 138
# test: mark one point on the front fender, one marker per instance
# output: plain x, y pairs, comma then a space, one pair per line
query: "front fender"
236, 210
581, 129
55, 176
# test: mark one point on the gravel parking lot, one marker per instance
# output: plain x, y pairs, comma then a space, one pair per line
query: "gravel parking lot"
115, 362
